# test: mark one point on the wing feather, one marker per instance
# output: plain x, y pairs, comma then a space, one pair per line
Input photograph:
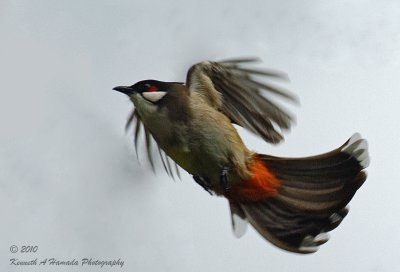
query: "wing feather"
240, 60
232, 89
165, 160
137, 130
162, 160
148, 147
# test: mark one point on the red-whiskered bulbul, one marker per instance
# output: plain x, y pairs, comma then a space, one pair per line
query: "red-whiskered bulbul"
292, 202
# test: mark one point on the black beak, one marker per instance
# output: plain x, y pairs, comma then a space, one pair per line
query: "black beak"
124, 89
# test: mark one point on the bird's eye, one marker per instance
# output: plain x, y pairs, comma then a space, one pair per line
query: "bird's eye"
151, 88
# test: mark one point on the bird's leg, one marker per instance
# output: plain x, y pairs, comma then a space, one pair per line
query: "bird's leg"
223, 180
203, 183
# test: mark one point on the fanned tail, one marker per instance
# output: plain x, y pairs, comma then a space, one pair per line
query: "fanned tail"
311, 199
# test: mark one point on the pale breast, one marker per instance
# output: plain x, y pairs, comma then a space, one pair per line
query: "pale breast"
203, 145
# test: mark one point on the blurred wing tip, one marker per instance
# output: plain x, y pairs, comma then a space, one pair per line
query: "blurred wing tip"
274, 139
178, 173
127, 126
131, 117
240, 60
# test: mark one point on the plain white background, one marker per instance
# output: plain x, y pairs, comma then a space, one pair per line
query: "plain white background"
69, 179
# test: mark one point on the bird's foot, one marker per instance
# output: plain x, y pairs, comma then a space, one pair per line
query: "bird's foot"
223, 180
203, 183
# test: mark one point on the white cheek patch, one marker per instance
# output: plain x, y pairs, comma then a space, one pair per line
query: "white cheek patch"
154, 96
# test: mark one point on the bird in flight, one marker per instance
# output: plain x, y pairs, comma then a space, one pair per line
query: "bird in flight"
291, 202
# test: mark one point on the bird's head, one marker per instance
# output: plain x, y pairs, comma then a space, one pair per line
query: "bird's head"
153, 91
150, 96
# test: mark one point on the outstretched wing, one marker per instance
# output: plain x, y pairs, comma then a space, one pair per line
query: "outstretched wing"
232, 89
139, 126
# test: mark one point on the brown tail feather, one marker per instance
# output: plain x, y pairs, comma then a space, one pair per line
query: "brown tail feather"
312, 198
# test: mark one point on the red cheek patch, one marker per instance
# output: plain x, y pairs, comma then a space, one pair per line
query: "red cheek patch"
152, 89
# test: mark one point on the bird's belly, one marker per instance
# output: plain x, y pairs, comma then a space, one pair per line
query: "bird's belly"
196, 162
204, 161
182, 157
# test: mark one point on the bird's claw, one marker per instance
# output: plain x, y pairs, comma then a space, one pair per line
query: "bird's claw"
224, 179
203, 183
